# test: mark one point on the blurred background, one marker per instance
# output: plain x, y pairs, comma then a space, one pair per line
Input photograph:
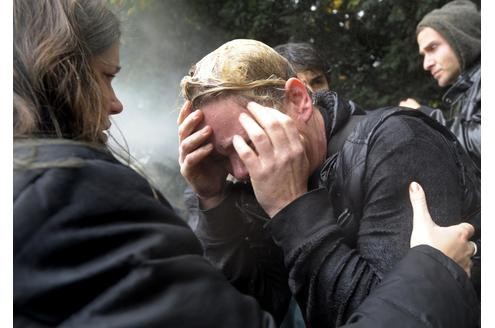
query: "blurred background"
370, 46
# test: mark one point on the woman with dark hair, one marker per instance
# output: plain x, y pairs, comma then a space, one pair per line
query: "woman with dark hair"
66, 54
94, 244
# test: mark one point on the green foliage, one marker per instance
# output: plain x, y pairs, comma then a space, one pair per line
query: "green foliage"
369, 44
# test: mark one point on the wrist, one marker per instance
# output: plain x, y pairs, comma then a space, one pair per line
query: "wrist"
206, 203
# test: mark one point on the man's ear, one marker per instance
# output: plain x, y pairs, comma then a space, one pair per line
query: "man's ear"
299, 99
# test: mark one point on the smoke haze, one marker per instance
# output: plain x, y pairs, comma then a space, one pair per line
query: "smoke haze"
159, 45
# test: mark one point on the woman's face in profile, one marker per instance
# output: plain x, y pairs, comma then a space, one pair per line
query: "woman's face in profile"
107, 65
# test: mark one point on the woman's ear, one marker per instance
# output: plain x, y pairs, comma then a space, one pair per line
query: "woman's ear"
298, 98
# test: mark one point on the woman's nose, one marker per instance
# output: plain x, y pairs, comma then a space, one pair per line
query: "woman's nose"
116, 106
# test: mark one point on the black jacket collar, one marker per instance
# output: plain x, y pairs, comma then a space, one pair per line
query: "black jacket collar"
463, 83
336, 111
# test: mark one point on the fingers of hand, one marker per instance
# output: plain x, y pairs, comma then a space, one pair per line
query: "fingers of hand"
409, 102
184, 111
465, 261
469, 267
466, 229
189, 125
279, 127
195, 146
260, 113
421, 215
246, 153
466, 265
273, 122
256, 134
292, 135
189, 160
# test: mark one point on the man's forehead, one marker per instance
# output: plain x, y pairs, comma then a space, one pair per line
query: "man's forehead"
428, 35
223, 111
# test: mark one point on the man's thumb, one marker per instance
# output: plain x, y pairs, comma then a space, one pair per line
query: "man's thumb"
418, 202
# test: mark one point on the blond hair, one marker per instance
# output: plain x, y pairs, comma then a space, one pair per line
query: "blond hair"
241, 67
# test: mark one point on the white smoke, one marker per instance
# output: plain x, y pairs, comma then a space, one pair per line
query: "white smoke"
159, 45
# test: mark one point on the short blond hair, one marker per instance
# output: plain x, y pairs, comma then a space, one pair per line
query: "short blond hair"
242, 67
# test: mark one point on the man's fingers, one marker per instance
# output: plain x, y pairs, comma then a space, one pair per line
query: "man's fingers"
189, 124
194, 141
421, 215
469, 268
246, 153
184, 111
190, 160
256, 134
259, 112
279, 127
467, 228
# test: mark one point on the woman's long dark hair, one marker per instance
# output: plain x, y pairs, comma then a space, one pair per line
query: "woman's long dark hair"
56, 91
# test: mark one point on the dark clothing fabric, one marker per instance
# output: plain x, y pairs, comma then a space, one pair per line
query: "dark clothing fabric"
243, 251
95, 246
329, 272
421, 278
343, 171
464, 117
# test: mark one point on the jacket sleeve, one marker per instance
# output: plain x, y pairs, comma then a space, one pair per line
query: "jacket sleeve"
235, 241
112, 255
425, 289
467, 131
331, 278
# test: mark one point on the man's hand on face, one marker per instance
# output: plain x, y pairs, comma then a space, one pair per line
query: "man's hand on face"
277, 162
206, 177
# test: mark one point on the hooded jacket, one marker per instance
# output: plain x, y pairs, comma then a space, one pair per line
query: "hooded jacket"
459, 22
463, 99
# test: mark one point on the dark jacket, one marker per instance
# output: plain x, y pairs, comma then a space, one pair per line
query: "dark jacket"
94, 246
329, 272
463, 99
425, 289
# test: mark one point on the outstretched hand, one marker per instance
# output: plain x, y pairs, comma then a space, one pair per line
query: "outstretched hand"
453, 241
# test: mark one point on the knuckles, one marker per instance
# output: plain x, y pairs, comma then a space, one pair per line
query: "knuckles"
259, 138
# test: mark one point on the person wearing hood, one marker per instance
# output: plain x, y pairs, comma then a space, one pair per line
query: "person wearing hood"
449, 39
